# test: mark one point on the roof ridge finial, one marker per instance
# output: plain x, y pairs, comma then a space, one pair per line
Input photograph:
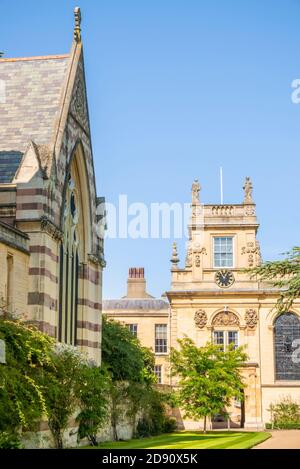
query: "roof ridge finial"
77, 29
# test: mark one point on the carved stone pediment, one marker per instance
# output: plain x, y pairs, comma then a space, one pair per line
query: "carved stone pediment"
200, 318
226, 318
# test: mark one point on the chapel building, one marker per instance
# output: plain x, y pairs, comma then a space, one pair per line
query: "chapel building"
51, 220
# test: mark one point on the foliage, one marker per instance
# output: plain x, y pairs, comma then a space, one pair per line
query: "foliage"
208, 378
285, 414
28, 355
121, 352
42, 380
147, 375
155, 420
9, 440
62, 397
284, 275
93, 392
118, 395
132, 389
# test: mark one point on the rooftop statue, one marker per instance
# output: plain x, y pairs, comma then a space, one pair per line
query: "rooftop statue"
196, 188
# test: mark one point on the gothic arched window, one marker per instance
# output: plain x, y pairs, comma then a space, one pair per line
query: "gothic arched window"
69, 265
287, 329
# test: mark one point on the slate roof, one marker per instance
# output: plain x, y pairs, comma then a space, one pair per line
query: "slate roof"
30, 105
135, 303
9, 163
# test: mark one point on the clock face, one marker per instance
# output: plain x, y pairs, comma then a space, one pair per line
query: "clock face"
224, 278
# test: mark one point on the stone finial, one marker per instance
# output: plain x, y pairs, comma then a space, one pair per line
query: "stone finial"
77, 29
175, 258
248, 189
196, 188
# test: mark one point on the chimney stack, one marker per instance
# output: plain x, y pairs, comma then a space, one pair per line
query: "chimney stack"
136, 283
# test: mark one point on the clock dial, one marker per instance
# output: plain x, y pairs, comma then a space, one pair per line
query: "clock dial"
224, 278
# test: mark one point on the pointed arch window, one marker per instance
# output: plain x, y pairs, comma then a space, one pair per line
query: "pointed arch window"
69, 268
287, 329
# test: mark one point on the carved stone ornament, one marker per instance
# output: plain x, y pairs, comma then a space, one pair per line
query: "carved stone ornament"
197, 211
226, 318
78, 104
96, 260
253, 251
200, 318
197, 256
251, 318
249, 210
189, 258
50, 228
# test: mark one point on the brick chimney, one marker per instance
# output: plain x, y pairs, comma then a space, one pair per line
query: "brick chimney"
136, 283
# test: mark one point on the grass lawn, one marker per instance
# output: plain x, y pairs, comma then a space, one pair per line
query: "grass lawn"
192, 440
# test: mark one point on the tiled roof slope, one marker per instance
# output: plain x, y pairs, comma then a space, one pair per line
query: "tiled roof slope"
33, 89
9, 163
132, 303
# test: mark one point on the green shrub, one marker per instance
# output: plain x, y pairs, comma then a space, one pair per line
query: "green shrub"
154, 420
170, 425
9, 440
28, 356
285, 414
284, 426
144, 428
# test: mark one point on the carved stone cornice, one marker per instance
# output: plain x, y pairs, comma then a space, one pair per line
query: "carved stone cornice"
51, 228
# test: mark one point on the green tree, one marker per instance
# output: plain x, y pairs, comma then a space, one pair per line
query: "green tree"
208, 378
93, 392
284, 275
61, 390
122, 353
131, 368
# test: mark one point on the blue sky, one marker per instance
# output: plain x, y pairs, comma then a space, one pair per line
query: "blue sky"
178, 88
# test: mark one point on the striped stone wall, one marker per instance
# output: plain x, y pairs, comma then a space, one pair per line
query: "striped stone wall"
39, 212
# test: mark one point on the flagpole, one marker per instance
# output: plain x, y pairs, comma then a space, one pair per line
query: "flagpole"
221, 184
